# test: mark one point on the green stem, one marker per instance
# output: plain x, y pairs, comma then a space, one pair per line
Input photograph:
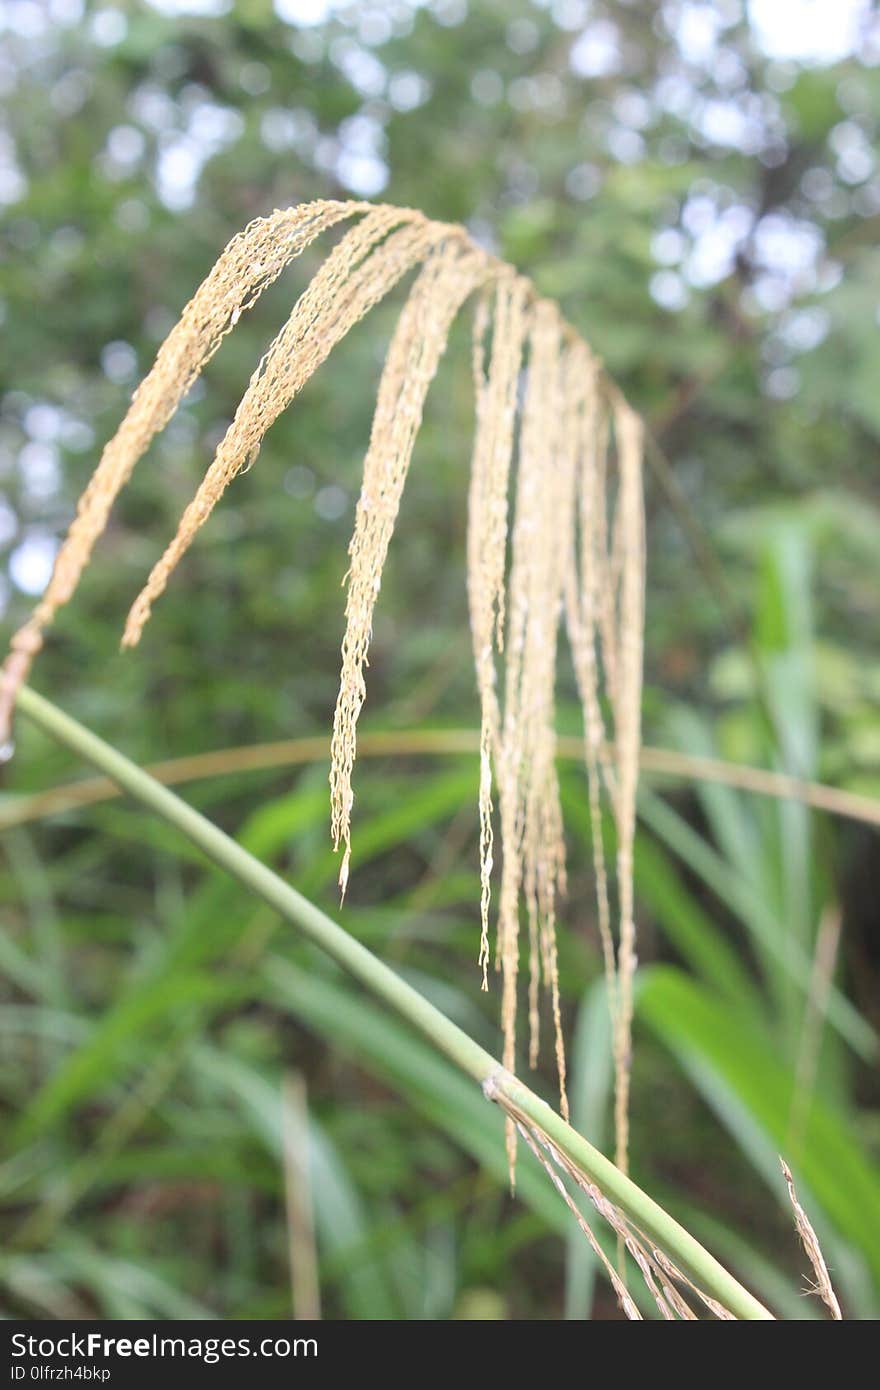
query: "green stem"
637, 1206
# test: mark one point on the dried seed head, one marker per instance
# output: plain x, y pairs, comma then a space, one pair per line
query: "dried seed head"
575, 543
810, 1241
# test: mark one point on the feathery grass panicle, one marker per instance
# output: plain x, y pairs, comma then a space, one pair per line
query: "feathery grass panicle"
355, 276
540, 454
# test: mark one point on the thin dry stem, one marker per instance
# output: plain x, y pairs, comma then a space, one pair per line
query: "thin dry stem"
810, 1242
661, 1276
537, 1144
258, 757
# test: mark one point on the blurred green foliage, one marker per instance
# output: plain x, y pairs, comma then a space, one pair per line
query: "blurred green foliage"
699, 188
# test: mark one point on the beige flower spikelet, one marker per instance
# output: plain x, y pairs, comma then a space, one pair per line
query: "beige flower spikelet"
555, 531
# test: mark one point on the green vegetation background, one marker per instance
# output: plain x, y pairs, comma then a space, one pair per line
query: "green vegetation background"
707, 214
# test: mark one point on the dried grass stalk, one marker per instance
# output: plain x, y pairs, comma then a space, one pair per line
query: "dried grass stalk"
810, 1241
662, 1278
575, 543
537, 1144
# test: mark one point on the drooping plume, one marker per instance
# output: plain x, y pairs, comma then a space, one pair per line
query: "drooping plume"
451, 273
251, 262
555, 527
359, 272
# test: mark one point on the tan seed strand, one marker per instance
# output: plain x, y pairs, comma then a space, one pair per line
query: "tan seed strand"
250, 263
450, 274
496, 402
